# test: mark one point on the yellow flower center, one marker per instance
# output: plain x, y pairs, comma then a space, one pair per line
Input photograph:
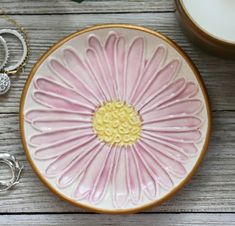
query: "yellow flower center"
117, 123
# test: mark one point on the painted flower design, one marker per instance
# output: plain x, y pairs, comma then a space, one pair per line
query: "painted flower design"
114, 119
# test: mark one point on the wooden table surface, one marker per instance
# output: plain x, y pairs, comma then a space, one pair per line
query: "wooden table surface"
209, 199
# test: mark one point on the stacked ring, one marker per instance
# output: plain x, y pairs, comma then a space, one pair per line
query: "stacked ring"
16, 169
5, 71
6, 56
13, 68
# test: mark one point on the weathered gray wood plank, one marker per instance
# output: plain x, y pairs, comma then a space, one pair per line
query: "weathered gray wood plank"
130, 220
212, 189
88, 6
44, 31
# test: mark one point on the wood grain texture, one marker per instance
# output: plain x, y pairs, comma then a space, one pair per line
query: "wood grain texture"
209, 199
131, 220
87, 6
212, 189
216, 72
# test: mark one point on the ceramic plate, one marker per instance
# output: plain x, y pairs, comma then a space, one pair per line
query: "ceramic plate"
115, 118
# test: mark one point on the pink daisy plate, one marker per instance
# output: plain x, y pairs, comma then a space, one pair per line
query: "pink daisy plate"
115, 118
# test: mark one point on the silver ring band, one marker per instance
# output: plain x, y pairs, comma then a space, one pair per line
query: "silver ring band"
24, 45
6, 56
16, 169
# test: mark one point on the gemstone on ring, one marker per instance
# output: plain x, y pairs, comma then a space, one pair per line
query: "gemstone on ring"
5, 83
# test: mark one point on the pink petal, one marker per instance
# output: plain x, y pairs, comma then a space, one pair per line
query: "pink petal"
173, 124
110, 45
190, 91
148, 183
98, 73
48, 85
33, 114
150, 70
64, 160
74, 81
77, 67
120, 64
183, 137
103, 179
120, 185
50, 123
157, 83
172, 166
133, 176
63, 146
154, 166
195, 106
60, 103
166, 148
79, 165
169, 164
110, 49
91, 173
184, 107
134, 67
104, 64
170, 92
57, 135
187, 91
188, 149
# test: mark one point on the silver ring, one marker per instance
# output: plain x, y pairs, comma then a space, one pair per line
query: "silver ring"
6, 56
16, 169
24, 45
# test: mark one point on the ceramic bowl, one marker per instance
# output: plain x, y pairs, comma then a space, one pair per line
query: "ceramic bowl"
115, 118
210, 24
